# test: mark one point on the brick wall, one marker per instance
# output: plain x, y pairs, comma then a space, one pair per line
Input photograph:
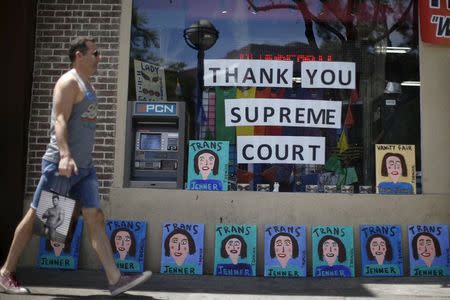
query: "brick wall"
57, 23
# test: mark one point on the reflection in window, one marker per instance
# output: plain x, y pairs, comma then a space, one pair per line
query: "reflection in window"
380, 37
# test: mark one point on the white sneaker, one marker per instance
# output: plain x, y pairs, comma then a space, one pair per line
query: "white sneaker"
9, 285
127, 282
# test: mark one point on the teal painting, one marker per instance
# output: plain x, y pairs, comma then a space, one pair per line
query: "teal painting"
235, 250
208, 165
284, 251
333, 251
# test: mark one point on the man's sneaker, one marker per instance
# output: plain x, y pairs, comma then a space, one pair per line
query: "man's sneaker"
9, 285
127, 282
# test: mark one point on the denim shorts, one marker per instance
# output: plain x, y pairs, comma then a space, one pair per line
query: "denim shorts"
82, 187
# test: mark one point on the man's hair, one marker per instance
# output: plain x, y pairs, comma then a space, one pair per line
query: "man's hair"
342, 256
437, 247
388, 255
79, 44
293, 240
183, 232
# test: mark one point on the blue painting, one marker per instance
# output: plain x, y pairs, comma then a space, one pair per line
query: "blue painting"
235, 250
63, 256
284, 251
127, 238
333, 251
429, 253
182, 249
381, 250
208, 165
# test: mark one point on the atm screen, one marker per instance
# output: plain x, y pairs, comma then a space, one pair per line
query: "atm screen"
150, 141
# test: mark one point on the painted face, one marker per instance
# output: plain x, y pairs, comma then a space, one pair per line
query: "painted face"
378, 248
394, 167
179, 248
330, 251
123, 243
206, 164
233, 249
426, 249
283, 249
57, 247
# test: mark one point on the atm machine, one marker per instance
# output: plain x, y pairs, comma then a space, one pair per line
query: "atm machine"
156, 144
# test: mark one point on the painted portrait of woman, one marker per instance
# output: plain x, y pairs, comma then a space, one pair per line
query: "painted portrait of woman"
379, 248
394, 167
206, 164
123, 243
178, 245
425, 247
331, 249
283, 246
234, 247
57, 248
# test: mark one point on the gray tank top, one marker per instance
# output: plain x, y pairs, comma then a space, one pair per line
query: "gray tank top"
80, 128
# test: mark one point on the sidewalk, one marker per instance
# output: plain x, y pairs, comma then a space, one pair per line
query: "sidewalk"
63, 285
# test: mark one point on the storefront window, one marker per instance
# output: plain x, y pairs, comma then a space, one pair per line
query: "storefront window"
380, 38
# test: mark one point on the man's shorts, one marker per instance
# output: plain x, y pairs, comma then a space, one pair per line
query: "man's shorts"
82, 187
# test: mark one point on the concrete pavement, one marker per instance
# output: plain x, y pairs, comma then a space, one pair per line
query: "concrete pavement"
82, 284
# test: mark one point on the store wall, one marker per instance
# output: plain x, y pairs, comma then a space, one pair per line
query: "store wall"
435, 112
210, 208
16, 95
57, 23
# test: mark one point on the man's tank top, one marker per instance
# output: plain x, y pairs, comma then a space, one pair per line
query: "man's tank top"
80, 128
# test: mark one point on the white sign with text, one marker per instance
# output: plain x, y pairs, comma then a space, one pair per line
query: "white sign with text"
244, 72
280, 150
287, 112
328, 74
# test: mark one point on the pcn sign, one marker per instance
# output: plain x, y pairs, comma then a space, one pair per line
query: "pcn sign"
435, 21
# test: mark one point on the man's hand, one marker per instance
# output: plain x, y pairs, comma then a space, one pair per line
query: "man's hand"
67, 166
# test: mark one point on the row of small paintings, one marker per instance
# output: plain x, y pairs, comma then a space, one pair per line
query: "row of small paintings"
285, 249
310, 188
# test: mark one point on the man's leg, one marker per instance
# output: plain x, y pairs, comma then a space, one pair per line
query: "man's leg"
22, 236
85, 188
95, 222
118, 283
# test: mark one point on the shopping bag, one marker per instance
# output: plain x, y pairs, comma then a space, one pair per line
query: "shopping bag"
56, 213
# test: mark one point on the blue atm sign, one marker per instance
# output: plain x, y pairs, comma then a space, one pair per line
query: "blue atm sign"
155, 109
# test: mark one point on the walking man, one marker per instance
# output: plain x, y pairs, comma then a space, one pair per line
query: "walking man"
72, 137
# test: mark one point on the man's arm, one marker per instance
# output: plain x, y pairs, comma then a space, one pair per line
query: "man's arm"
65, 96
